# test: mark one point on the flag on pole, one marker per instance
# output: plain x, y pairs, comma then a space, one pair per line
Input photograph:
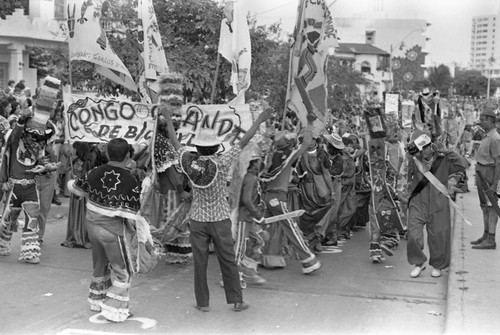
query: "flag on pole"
152, 58
155, 61
88, 42
234, 45
315, 36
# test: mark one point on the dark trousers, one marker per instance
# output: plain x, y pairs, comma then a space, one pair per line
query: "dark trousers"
201, 233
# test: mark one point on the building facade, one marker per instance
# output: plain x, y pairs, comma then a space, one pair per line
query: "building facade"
403, 39
37, 24
372, 62
483, 38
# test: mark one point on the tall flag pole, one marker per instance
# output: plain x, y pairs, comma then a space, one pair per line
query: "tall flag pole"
87, 41
153, 55
235, 46
314, 36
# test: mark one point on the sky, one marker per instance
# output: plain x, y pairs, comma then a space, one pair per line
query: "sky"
449, 33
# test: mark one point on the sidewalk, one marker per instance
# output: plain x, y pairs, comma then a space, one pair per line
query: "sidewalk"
474, 279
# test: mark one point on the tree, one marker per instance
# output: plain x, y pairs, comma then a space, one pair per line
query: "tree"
440, 78
472, 83
7, 7
270, 62
343, 81
190, 35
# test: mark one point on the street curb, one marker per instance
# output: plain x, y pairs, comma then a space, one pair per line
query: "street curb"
454, 322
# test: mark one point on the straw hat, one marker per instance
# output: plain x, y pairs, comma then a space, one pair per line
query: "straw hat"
489, 113
206, 138
334, 140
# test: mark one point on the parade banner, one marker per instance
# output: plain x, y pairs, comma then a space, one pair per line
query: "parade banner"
228, 122
234, 45
152, 60
407, 110
391, 103
100, 120
87, 41
314, 36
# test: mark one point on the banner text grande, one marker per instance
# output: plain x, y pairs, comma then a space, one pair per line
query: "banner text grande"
229, 123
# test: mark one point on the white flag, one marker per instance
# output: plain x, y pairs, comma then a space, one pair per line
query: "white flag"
234, 45
88, 42
155, 61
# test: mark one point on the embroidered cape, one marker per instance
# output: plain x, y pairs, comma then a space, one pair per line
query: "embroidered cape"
112, 191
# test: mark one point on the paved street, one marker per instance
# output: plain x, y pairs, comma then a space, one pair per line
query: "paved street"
348, 294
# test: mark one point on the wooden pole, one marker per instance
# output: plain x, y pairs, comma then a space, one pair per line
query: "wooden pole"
288, 88
214, 83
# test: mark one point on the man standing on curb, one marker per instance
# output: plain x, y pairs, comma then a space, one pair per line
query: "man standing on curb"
487, 174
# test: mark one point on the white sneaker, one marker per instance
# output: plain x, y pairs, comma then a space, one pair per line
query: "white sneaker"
416, 271
436, 273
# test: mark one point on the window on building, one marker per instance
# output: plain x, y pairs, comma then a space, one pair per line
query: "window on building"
26, 6
365, 67
59, 9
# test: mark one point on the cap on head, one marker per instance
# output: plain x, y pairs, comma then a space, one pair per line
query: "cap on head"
284, 139
422, 141
489, 113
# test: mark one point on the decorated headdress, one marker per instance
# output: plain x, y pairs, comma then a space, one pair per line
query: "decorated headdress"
170, 96
171, 89
44, 105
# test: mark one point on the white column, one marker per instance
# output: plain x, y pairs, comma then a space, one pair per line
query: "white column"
16, 61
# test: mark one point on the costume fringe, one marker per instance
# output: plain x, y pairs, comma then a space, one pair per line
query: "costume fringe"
30, 247
115, 307
375, 249
390, 240
98, 288
5, 237
175, 258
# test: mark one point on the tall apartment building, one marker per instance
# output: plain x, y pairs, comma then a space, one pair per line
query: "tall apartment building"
484, 36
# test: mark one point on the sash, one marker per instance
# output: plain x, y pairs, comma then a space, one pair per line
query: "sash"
437, 184
424, 181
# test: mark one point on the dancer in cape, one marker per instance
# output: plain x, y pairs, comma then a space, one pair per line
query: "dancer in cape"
113, 203
316, 194
23, 158
249, 240
429, 207
275, 187
334, 149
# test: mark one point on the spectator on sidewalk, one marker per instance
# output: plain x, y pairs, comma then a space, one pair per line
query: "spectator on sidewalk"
488, 169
